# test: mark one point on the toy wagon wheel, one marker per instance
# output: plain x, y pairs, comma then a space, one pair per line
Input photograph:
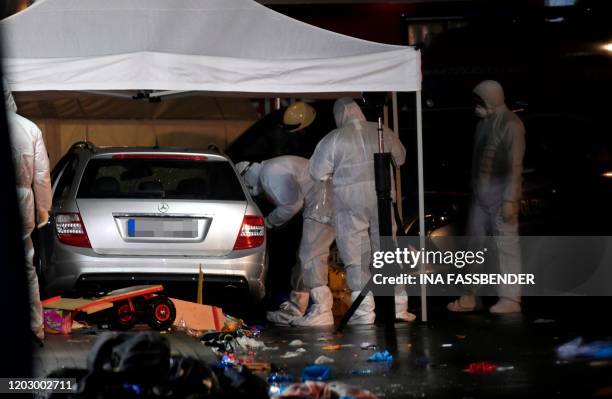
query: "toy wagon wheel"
160, 313
124, 317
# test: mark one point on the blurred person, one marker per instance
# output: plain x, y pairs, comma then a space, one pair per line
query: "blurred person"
287, 184
346, 155
33, 193
497, 168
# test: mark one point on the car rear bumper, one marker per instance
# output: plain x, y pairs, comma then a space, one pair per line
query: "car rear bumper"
78, 271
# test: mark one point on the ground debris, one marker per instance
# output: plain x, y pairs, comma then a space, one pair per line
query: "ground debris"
324, 360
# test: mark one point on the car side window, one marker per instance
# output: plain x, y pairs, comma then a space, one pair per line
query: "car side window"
59, 166
66, 179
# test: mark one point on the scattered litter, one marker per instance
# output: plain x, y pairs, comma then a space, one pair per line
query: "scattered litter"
332, 348
421, 361
316, 372
276, 390
57, 321
194, 333
250, 343
300, 350
270, 348
229, 341
324, 360
226, 361
361, 372
220, 342
322, 339
505, 368
231, 324
296, 342
256, 330
181, 325
447, 345
257, 366
481, 368
367, 345
543, 321
289, 355
577, 349
278, 382
322, 390
381, 357
279, 378
79, 325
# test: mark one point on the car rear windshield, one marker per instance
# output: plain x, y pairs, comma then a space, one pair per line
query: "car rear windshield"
189, 177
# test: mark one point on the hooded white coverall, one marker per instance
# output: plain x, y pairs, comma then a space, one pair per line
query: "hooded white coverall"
497, 168
346, 154
286, 182
33, 193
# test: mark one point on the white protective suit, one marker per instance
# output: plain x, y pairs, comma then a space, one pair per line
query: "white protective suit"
33, 192
347, 155
286, 182
497, 168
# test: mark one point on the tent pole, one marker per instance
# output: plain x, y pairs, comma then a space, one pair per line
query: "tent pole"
398, 173
386, 116
419, 111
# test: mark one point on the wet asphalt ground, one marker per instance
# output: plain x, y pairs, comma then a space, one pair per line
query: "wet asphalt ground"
429, 359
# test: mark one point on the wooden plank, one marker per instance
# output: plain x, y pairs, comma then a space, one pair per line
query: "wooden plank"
68, 303
131, 292
96, 307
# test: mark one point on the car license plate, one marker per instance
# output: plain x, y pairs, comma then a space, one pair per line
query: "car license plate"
162, 228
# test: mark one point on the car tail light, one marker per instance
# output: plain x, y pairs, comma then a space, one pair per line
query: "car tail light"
71, 230
252, 233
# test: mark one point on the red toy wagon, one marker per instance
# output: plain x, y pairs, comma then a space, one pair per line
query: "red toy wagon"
129, 305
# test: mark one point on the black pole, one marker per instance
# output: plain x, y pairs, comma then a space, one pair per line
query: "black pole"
385, 307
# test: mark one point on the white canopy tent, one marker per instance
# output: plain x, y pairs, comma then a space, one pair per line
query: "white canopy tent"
206, 45
162, 47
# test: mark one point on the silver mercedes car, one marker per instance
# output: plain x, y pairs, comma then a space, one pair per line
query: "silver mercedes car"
128, 216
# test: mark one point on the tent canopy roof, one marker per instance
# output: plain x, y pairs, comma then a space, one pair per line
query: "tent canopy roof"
203, 45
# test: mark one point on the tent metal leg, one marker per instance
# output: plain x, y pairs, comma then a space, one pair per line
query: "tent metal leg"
419, 111
398, 173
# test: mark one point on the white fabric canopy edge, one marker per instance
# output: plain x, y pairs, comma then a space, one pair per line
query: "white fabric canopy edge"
397, 70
